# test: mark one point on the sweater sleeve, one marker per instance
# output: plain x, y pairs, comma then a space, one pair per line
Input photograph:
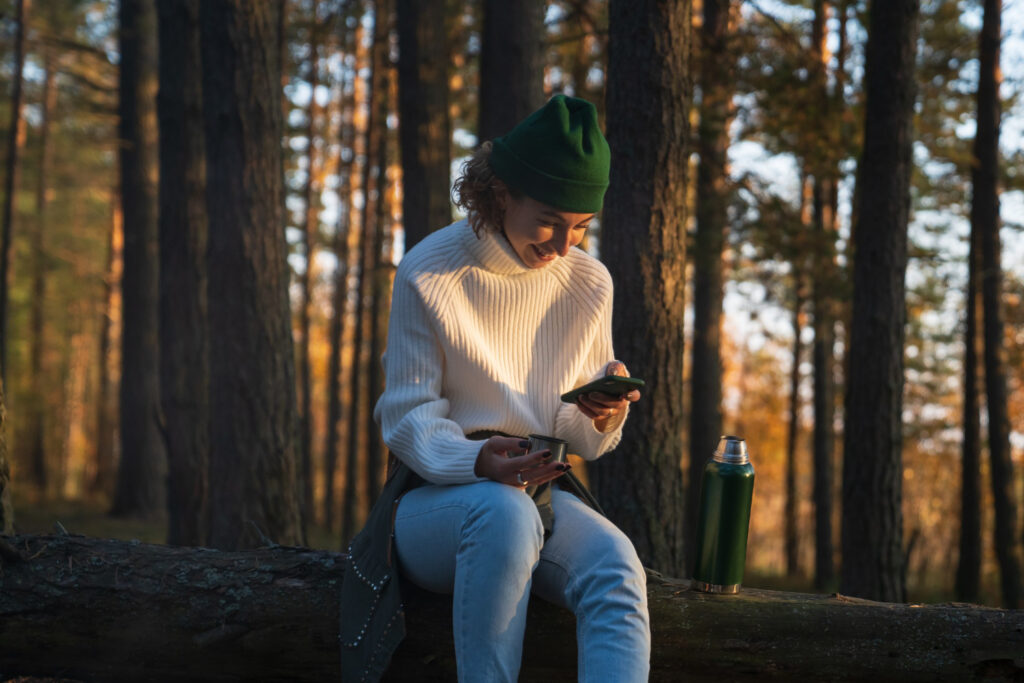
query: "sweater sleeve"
412, 413
571, 424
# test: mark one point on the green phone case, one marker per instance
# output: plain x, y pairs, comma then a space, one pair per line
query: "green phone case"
609, 384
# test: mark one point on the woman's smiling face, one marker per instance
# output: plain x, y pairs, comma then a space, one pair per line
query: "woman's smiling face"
540, 233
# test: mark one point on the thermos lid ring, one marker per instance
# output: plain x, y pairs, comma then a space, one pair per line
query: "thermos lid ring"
732, 450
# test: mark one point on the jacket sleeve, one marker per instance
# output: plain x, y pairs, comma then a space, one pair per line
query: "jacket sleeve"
412, 412
571, 424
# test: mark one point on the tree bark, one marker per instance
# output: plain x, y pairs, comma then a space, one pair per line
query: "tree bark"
424, 128
141, 489
511, 65
872, 463
14, 140
273, 614
644, 242
6, 506
104, 454
968, 571
792, 538
712, 204
985, 220
254, 486
824, 292
184, 326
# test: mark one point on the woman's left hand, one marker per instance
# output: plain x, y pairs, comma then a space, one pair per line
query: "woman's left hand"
601, 407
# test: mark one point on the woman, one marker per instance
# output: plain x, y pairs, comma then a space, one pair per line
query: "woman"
492, 319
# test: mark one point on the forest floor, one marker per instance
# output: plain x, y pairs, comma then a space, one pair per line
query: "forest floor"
90, 518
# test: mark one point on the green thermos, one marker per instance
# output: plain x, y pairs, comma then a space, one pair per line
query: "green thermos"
727, 488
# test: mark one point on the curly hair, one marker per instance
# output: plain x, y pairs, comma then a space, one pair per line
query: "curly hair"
478, 191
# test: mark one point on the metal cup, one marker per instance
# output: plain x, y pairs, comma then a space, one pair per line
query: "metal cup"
558, 447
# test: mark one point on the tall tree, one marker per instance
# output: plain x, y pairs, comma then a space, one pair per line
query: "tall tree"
11, 178
985, 221
968, 571
184, 327
372, 182
824, 286
644, 236
103, 452
792, 537
424, 129
141, 487
310, 227
6, 508
872, 463
511, 64
381, 273
254, 488
715, 79
342, 252
37, 402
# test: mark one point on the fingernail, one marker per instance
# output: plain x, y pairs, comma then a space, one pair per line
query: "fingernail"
524, 444
563, 467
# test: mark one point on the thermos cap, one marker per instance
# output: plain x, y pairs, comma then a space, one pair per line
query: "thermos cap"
732, 450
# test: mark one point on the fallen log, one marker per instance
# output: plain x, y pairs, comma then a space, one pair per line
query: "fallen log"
99, 610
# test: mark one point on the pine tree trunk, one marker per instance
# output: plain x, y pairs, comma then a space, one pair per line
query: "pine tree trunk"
372, 176
37, 406
644, 242
968, 571
14, 141
309, 231
342, 253
872, 464
6, 507
141, 486
103, 453
792, 539
424, 129
184, 326
985, 220
716, 113
824, 291
511, 65
254, 487
376, 461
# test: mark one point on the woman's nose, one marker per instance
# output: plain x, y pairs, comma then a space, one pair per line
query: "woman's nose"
562, 241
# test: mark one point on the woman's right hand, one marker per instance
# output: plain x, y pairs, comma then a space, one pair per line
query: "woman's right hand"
499, 460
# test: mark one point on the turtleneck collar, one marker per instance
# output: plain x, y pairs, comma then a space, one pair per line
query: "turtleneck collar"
495, 254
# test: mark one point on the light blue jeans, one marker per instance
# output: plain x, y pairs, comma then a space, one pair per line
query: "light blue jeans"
484, 544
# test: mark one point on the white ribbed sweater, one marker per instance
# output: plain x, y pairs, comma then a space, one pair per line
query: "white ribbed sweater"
479, 341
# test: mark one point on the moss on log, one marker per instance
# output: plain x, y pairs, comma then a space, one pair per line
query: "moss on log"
100, 610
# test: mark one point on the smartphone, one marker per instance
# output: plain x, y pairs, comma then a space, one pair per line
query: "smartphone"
613, 385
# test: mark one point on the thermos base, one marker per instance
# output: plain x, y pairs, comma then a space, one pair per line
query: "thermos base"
715, 588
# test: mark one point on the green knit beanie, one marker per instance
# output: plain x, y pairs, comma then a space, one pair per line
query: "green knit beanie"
556, 155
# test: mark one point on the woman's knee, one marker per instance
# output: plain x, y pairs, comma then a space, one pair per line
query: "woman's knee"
613, 563
505, 516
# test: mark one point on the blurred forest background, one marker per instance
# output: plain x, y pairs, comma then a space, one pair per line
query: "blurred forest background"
108, 260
